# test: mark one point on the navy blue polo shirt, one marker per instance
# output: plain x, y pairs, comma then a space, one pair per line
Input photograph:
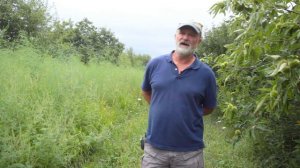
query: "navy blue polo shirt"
177, 101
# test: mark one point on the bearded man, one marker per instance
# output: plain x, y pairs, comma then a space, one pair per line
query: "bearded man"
180, 90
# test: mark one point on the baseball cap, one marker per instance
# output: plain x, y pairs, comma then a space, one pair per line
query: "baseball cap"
195, 25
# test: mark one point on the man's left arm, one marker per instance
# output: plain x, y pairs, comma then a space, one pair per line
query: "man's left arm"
210, 100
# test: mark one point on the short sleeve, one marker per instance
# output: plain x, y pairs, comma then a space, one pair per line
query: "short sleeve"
146, 85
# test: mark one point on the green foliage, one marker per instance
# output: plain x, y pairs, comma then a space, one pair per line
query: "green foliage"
219, 151
19, 15
57, 113
215, 40
129, 58
83, 39
89, 41
259, 77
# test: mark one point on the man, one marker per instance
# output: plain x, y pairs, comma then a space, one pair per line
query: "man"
180, 90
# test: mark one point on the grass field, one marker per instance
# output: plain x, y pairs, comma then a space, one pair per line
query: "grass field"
61, 113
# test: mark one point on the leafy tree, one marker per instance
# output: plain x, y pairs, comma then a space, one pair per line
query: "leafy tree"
129, 58
93, 42
88, 40
259, 77
22, 15
55, 39
108, 45
215, 40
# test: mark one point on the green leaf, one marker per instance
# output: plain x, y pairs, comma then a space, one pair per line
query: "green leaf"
260, 104
275, 57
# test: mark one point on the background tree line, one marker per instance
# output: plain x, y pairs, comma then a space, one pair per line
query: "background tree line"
29, 22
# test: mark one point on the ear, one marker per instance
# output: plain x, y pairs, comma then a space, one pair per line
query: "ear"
199, 40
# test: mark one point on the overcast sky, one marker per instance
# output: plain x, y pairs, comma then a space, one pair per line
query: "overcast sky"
146, 26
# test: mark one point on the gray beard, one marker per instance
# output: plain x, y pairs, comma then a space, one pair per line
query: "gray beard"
184, 52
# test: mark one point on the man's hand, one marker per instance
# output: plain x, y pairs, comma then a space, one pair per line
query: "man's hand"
147, 96
207, 111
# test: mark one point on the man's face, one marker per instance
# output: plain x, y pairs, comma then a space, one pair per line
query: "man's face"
187, 40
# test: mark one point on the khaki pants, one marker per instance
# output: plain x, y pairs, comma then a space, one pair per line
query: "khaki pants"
156, 158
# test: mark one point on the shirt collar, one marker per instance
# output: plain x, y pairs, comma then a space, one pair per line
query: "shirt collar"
195, 65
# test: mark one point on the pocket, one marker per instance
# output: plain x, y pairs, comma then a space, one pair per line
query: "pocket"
150, 151
190, 155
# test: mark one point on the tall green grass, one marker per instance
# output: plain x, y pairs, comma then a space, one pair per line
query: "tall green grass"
56, 113
221, 152
61, 113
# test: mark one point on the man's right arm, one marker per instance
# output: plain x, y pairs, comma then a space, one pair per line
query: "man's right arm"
207, 111
147, 96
